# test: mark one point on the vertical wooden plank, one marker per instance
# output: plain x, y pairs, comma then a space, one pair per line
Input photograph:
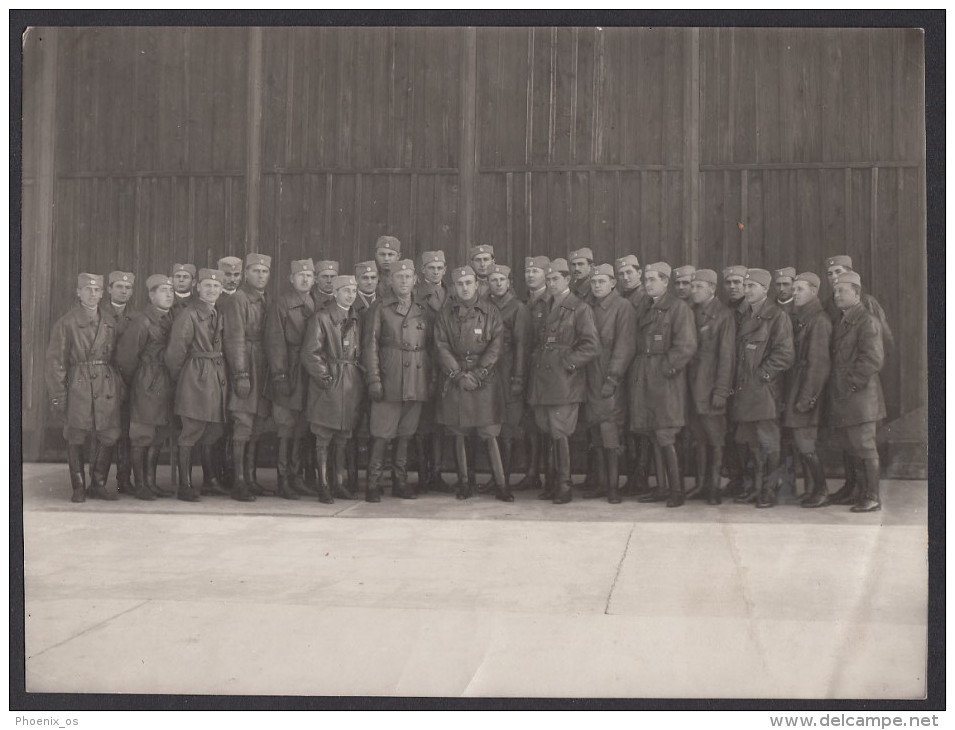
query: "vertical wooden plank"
467, 177
744, 215
691, 150
873, 224
831, 83
253, 170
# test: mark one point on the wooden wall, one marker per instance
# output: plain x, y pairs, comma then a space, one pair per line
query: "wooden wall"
147, 146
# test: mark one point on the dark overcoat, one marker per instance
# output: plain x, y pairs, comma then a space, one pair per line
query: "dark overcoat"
396, 349
285, 325
712, 367
195, 361
518, 336
806, 381
139, 356
764, 352
244, 316
635, 296
566, 336
858, 353
615, 320
873, 307
331, 356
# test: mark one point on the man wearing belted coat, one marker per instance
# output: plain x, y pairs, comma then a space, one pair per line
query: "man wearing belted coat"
285, 326
764, 352
566, 341
666, 340
118, 293
83, 386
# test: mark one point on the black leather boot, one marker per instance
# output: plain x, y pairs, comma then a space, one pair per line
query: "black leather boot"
548, 450
598, 486
702, 473
532, 479
817, 492
251, 460
754, 485
173, 468
240, 487
152, 466
660, 493
295, 466
436, 482
399, 487
565, 487
848, 493
138, 463
507, 461
186, 493
772, 482
99, 473
351, 465
638, 480
463, 487
612, 458
870, 499
375, 459
123, 467
422, 457
340, 484
210, 482
674, 476
309, 474
283, 469
321, 466
74, 458
501, 490
713, 485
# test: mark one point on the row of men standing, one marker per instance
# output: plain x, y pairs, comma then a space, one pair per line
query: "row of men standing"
643, 360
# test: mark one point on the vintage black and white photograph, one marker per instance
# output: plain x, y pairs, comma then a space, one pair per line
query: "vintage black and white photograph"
466, 361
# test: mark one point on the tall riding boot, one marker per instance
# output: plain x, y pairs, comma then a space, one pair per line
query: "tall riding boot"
484, 488
772, 482
436, 480
341, 489
501, 491
321, 465
309, 481
638, 481
399, 487
295, 466
283, 469
592, 481
152, 466
713, 485
750, 496
870, 500
123, 467
702, 473
750, 489
375, 459
351, 465
186, 493
74, 458
550, 478
173, 466
240, 487
252, 459
532, 479
507, 461
422, 452
848, 493
463, 487
224, 461
674, 477
599, 482
565, 488
138, 464
99, 472
817, 493
660, 493
612, 457
210, 482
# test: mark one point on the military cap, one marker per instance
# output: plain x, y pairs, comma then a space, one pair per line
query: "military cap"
849, 277
302, 265
325, 266
258, 259
484, 248
731, 272
684, 272
810, 277
230, 265
461, 272
537, 262
403, 265
365, 267
184, 267
786, 273
581, 253
500, 269
840, 260
344, 280
558, 265
661, 267
707, 275
604, 270
431, 256
389, 242
157, 280
628, 260
760, 276
214, 274
89, 280
126, 276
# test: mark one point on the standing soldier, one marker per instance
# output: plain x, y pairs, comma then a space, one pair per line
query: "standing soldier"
183, 278
565, 342
323, 292
285, 326
244, 319
666, 340
806, 382
84, 388
139, 356
735, 454
606, 409
195, 362
783, 283
330, 357
513, 362
469, 336
582, 269
366, 274
856, 404
682, 276
120, 290
231, 268
764, 352
784, 279
710, 373
630, 279
482, 259
396, 355
387, 252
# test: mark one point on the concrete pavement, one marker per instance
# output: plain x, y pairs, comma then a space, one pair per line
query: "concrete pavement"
435, 597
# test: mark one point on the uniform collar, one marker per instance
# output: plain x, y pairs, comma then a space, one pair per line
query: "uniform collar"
501, 301
154, 314
853, 313
807, 310
664, 302
607, 300
203, 309
252, 293
711, 308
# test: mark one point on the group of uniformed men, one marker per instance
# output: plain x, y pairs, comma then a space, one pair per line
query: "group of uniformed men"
626, 356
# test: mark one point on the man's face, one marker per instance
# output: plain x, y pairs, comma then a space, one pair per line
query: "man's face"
482, 264
209, 290
90, 295
368, 282
402, 282
803, 293
733, 285
556, 282
466, 288
120, 292
701, 291
845, 296
162, 296
602, 285
346, 295
434, 271
784, 288
325, 279
681, 287
581, 269
182, 282
629, 277
753, 291
257, 275
534, 278
833, 271
655, 283
499, 284
302, 281
231, 280
385, 257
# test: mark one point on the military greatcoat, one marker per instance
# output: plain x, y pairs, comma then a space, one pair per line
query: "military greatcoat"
330, 356
565, 337
396, 348
285, 326
195, 361
806, 381
244, 318
855, 390
615, 320
139, 356
764, 352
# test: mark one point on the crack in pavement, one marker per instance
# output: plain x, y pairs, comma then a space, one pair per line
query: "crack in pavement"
90, 628
616, 576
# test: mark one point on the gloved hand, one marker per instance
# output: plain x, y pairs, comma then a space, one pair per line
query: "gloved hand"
804, 406
570, 367
718, 401
282, 385
376, 392
468, 382
517, 387
242, 385
763, 375
608, 388
326, 382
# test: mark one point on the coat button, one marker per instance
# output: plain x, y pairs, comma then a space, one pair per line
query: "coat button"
405, 325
